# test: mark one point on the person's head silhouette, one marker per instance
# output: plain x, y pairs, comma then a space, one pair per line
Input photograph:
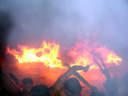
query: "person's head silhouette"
72, 87
27, 84
40, 90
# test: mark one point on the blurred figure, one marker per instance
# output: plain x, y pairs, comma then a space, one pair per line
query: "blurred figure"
95, 92
110, 84
111, 87
40, 90
124, 85
72, 87
27, 86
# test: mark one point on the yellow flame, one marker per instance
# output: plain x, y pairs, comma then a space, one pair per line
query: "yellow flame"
48, 54
112, 58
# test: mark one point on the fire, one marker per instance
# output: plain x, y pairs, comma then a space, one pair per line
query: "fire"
108, 56
48, 60
48, 54
112, 58
80, 54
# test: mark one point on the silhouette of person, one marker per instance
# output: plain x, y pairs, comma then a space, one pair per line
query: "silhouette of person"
27, 85
72, 87
40, 90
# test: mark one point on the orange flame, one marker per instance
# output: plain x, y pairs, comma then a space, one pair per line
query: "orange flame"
48, 54
112, 58
108, 56
80, 54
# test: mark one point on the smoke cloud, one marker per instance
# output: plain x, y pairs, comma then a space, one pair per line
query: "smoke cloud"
65, 21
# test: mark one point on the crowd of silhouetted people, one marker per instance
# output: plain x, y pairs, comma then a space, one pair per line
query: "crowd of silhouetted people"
69, 87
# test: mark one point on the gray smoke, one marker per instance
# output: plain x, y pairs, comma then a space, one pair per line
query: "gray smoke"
66, 20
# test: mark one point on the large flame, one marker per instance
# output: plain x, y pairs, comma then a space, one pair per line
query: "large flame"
48, 54
80, 54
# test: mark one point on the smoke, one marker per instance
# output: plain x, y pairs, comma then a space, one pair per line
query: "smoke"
65, 21
5, 26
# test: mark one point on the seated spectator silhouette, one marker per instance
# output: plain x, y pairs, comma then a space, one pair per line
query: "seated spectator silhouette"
40, 90
95, 92
72, 87
27, 85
